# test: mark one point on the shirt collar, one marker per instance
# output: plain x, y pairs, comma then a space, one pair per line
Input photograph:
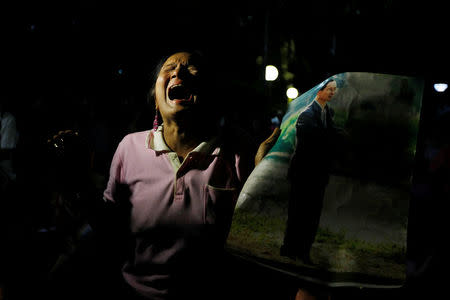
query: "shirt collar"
322, 108
155, 141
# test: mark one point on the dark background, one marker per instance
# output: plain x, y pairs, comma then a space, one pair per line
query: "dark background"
87, 65
63, 49
62, 53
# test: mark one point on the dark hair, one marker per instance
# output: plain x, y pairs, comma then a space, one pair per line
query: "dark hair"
154, 77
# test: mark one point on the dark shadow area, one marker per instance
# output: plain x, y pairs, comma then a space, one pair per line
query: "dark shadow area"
85, 67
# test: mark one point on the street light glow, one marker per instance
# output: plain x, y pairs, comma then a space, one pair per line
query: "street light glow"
271, 73
292, 93
440, 87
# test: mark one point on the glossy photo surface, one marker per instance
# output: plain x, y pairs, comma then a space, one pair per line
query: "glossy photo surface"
362, 231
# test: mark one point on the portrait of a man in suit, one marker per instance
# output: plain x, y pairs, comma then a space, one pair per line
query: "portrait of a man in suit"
309, 173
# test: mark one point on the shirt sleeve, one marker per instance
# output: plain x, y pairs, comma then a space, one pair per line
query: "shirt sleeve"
115, 175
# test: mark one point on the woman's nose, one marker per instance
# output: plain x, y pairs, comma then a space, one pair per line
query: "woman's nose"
178, 72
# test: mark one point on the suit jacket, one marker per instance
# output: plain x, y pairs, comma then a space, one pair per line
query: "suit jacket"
314, 144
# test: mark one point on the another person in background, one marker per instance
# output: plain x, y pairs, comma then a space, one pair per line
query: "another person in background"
8, 142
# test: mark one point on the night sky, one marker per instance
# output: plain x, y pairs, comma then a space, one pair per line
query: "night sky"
82, 47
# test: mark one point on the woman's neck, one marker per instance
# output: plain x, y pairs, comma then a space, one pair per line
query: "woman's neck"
181, 140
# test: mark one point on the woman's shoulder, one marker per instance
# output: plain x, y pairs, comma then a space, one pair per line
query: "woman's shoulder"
137, 134
136, 138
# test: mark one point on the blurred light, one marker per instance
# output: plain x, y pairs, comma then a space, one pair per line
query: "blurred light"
440, 87
271, 73
292, 93
120, 71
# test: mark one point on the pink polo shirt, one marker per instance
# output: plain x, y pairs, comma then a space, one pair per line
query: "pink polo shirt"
180, 211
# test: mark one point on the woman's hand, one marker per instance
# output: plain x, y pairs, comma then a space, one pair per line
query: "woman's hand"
70, 158
266, 145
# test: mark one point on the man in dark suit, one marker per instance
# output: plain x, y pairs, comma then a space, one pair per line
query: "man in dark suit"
309, 174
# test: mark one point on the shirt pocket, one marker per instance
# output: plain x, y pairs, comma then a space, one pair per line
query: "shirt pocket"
219, 206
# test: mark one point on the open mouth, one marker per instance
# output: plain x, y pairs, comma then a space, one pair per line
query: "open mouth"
180, 93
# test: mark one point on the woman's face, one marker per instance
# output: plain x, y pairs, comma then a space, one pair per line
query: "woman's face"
176, 87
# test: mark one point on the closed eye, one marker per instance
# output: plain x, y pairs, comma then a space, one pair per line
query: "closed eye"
193, 70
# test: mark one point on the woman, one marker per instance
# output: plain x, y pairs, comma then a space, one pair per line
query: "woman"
181, 181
